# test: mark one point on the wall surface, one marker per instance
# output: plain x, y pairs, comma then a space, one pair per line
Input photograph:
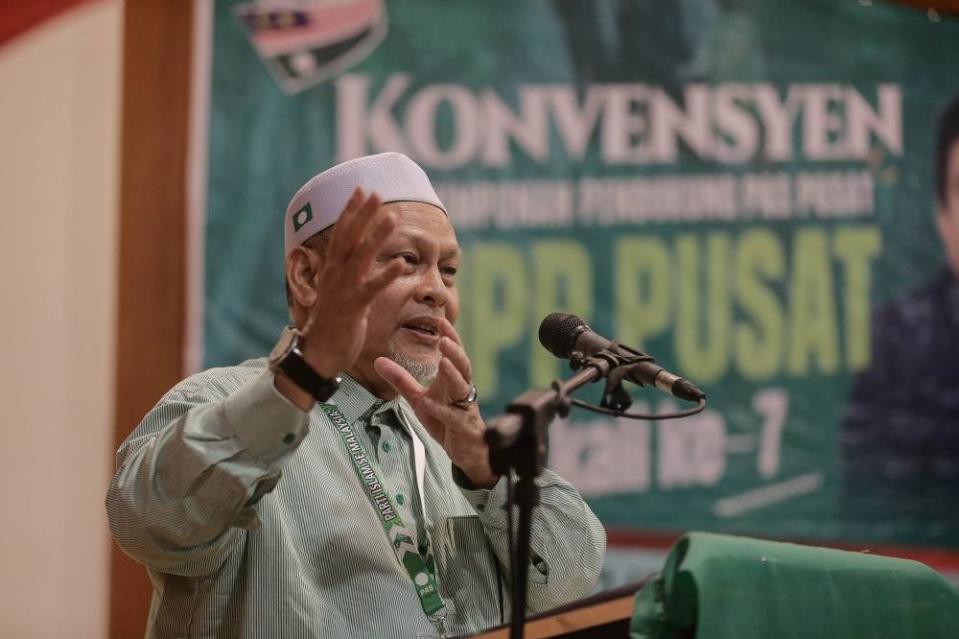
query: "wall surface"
59, 126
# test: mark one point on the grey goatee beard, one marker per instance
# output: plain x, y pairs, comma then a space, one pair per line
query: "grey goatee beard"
422, 371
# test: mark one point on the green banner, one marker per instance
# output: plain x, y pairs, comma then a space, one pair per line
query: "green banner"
741, 189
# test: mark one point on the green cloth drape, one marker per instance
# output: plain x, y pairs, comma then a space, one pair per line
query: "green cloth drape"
723, 587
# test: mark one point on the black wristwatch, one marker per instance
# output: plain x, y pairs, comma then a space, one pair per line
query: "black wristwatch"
288, 357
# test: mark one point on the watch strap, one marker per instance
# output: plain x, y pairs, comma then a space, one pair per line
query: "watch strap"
303, 375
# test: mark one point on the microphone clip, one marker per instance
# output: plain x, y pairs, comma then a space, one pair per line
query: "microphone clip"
615, 364
615, 397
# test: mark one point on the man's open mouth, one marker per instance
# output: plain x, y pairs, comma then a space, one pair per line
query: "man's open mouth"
425, 327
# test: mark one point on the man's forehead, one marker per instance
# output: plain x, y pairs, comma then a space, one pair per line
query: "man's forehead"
424, 222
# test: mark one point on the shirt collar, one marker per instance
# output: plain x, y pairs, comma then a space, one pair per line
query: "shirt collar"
354, 401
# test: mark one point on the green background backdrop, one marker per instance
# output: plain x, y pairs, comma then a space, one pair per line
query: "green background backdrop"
681, 290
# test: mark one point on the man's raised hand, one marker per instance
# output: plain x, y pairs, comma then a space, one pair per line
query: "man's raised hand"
346, 281
458, 429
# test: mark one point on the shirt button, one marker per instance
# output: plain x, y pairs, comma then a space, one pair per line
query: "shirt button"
386, 447
400, 499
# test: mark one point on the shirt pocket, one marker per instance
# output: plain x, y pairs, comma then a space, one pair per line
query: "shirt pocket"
470, 576
466, 536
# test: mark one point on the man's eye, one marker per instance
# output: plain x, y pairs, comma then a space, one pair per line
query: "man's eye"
409, 258
449, 270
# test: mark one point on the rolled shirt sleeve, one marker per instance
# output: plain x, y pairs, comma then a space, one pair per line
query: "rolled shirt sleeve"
189, 476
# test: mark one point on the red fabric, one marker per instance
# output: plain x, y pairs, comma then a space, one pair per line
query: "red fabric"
17, 16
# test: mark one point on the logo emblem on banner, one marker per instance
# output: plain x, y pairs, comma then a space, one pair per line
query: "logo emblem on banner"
302, 43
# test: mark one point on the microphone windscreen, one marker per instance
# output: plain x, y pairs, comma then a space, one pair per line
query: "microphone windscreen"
558, 333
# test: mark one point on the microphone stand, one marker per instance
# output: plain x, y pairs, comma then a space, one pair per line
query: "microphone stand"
515, 443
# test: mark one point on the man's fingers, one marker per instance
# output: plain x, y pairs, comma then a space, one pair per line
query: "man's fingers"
340, 237
349, 228
368, 213
399, 378
352, 205
455, 353
371, 243
438, 411
447, 329
456, 387
368, 289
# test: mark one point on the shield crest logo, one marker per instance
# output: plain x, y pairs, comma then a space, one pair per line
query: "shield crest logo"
305, 42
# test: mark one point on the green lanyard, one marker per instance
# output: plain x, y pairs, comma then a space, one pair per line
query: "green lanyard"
422, 569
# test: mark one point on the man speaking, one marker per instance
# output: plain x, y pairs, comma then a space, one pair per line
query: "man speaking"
341, 487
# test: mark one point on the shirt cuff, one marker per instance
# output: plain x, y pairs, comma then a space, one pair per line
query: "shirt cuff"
483, 500
265, 422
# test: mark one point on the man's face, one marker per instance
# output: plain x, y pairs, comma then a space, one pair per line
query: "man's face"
403, 318
948, 217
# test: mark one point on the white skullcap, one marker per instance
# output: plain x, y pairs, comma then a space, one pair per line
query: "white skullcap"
319, 202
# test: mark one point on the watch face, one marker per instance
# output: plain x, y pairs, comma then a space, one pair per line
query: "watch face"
284, 345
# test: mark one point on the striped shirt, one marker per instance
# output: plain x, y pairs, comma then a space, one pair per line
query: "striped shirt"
252, 522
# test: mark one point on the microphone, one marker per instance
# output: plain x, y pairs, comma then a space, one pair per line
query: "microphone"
562, 334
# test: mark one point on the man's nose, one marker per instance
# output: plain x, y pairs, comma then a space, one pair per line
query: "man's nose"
431, 289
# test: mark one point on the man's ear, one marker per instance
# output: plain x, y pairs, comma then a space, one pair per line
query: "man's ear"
302, 265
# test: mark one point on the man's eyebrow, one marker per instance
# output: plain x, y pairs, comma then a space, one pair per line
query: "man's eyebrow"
447, 251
